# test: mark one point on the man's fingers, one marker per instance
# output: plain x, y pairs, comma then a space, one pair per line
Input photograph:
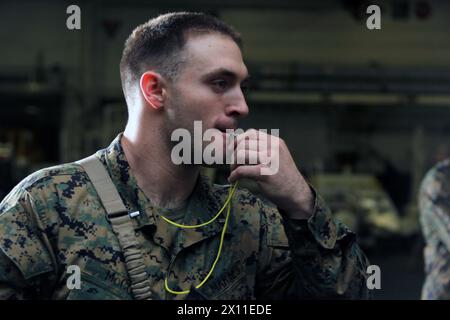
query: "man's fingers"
247, 145
250, 134
253, 148
256, 140
250, 172
247, 157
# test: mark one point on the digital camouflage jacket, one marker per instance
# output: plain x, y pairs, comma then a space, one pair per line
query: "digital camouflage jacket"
434, 201
54, 219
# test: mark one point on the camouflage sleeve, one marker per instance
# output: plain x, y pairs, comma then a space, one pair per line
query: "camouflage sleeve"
24, 249
12, 283
316, 258
434, 203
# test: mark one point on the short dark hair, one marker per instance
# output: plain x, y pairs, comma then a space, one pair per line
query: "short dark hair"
158, 43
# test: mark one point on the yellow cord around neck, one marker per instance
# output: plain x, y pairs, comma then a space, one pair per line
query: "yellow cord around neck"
226, 204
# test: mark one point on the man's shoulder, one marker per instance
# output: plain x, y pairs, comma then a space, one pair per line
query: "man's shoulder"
441, 168
46, 182
437, 180
55, 174
29, 214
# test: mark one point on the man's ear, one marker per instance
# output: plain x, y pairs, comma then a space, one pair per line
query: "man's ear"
152, 89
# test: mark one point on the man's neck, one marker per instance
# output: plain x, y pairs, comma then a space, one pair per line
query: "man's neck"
167, 185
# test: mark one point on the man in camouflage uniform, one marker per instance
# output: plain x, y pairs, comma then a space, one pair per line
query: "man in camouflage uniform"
175, 69
434, 201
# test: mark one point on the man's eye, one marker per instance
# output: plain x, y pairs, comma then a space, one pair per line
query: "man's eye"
220, 84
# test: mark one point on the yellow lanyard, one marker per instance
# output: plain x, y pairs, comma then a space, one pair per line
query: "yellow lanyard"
226, 204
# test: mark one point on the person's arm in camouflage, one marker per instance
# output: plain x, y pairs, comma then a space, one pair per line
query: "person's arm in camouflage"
319, 258
324, 260
434, 202
12, 284
25, 255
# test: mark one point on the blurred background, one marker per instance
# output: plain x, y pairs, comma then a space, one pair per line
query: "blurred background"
365, 112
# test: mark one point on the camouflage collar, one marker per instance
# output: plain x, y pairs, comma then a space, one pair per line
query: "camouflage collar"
202, 205
113, 157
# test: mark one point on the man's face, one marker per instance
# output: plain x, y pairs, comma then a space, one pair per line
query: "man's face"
208, 87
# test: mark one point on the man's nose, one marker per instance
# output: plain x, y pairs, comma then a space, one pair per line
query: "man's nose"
238, 107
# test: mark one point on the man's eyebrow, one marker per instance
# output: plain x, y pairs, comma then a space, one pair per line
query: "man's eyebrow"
224, 73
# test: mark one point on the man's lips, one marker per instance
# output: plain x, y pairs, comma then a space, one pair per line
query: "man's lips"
230, 134
225, 128
227, 137
224, 125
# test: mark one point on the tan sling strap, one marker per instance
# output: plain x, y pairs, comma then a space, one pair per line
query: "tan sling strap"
121, 224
